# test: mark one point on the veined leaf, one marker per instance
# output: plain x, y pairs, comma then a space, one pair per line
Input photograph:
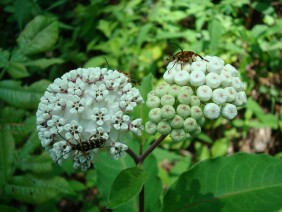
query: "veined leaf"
39, 35
17, 70
30, 145
127, 185
241, 182
44, 63
14, 94
36, 164
7, 147
31, 189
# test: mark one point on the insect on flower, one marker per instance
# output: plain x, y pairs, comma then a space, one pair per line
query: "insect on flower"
184, 57
84, 146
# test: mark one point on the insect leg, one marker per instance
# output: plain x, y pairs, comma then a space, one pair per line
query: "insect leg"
201, 57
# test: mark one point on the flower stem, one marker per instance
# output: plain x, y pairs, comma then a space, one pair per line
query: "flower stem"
139, 161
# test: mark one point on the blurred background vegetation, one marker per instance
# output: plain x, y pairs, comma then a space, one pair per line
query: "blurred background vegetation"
41, 40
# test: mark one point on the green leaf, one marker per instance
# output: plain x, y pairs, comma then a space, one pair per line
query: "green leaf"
36, 164
8, 209
108, 169
22, 97
39, 35
219, 148
241, 182
29, 146
31, 189
127, 185
215, 31
153, 185
44, 63
7, 147
17, 70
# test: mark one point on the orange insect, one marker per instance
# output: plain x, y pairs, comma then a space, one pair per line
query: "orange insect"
184, 57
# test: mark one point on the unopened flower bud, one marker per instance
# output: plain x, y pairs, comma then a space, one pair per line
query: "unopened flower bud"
229, 111
190, 125
167, 99
197, 78
211, 111
204, 93
219, 96
178, 135
183, 110
181, 78
163, 128
167, 112
151, 128
177, 122
155, 115
213, 80
196, 112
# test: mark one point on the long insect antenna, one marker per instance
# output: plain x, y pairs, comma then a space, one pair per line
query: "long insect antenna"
107, 62
176, 46
63, 156
61, 136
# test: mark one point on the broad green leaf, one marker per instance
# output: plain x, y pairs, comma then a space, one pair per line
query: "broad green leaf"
29, 146
39, 35
31, 189
107, 170
14, 94
44, 63
241, 182
17, 70
7, 147
153, 185
215, 30
127, 185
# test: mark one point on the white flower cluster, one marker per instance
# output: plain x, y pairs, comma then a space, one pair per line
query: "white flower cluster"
192, 92
85, 110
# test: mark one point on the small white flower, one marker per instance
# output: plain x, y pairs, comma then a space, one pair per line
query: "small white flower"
100, 115
99, 93
211, 111
136, 127
204, 93
77, 87
120, 121
73, 130
229, 111
197, 78
118, 150
76, 104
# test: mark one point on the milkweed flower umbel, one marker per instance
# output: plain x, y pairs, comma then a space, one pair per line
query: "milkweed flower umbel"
88, 106
192, 93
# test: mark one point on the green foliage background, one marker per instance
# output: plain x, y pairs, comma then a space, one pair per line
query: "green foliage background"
41, 40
